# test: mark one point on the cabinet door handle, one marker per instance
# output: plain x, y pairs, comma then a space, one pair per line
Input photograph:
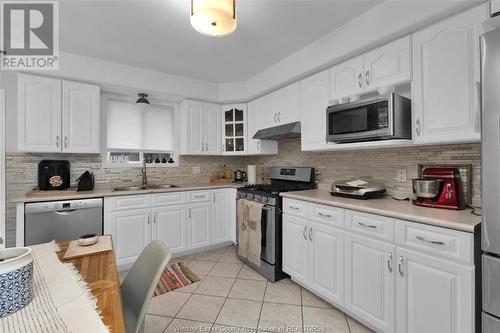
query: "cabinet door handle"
310, 234
57, 141
213, 197
429, 241
400, 266
275, 117
223, 147
258, 145
155, 216
189, 213
199, 196
367, 77
279, 113
293, 207
206, 146
149, 219
360, 80
324, 215
417, 127
65, 141
389, 262
371, 226
304, 232
201, 146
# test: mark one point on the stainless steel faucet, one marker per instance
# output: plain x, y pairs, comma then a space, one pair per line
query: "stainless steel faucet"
144, 173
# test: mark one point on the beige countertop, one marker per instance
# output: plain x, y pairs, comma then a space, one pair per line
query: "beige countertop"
461, 220
72, 194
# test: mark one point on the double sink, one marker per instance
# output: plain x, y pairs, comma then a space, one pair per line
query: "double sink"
144, 187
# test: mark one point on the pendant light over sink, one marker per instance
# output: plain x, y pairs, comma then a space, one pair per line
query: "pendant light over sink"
215, 18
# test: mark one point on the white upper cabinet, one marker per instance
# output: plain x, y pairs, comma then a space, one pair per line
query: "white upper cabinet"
314, 92
211, 118
39, 114
433, 295
385, 66
281, 106
234, 118
346, 79
81, 117
57, 116
254, 119
388, 65
200, 132
445, 88
287, 104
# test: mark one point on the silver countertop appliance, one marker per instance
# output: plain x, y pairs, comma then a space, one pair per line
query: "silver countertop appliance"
62, 220
358, 188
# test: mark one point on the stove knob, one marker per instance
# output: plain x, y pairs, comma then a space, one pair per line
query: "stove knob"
264, 200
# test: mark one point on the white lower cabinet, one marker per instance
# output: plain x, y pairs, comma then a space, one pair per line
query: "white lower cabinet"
313, 255
199, 225
181, 220
326, 262
434, 295
369, 281
169, 226
295, 247
417, 279
221, 216
131, 232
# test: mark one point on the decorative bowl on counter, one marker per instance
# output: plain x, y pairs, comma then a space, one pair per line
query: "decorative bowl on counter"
16, 279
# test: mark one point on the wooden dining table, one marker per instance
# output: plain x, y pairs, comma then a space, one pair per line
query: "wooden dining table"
99, 272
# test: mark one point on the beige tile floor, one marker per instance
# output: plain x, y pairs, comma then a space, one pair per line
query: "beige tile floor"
233, 298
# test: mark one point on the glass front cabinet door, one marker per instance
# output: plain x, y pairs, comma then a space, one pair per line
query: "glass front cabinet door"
234, 129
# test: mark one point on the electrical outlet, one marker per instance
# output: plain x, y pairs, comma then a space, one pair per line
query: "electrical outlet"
401, 178
196, 170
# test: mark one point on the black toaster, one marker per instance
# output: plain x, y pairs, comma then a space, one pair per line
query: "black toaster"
53, 175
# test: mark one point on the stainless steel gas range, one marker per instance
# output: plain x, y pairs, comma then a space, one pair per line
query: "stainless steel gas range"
283, 179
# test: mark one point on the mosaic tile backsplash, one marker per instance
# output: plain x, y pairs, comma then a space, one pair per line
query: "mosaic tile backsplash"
381, 164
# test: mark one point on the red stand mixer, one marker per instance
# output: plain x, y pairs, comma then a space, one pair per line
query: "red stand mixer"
440, 188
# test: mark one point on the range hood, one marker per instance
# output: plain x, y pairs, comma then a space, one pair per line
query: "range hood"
281, 132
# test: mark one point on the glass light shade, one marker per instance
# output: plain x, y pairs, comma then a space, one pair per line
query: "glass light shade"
215, 18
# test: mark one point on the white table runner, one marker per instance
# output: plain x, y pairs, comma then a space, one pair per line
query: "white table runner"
61, 302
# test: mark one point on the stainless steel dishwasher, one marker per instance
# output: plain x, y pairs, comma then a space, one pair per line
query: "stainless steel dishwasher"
62, 220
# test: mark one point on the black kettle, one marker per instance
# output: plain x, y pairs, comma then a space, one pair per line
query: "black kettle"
85, 182
239, 176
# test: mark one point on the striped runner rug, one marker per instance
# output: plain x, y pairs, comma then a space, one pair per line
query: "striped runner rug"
175, 276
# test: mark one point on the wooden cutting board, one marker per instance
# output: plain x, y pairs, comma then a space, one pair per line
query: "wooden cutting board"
103, 244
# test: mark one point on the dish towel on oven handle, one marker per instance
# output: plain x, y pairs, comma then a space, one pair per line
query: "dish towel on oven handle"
249, 230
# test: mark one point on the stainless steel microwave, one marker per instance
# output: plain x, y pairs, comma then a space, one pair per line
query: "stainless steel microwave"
377, 118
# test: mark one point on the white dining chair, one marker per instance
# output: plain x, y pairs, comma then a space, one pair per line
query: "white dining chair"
138, 286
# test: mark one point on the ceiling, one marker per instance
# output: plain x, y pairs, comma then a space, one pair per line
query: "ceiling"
156, 34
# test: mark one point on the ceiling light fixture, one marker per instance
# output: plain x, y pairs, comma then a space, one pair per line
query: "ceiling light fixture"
215, 18
142, 102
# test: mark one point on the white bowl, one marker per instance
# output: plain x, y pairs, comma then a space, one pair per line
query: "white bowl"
88, 240
16, 279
